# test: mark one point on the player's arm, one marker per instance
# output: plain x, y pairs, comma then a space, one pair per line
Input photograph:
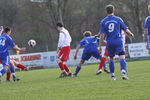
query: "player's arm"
12, 45
18, 48
129, 33
101, 41
146, 24
125, 28
101, 36
145, 34
1, 29
76, 53
82, 42
60, 41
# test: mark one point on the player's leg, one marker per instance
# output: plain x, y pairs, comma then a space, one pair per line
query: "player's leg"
120, 50
103, 63
148, 43
105, 67
111, 53
61, 65
65, 58
19, 65
98, 56
78, 68
12, 70
123, 66
3, 71
8, 74
5, 62
85, 56
67, 70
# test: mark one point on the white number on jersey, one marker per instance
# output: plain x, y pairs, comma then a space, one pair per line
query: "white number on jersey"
2, 42
111, 27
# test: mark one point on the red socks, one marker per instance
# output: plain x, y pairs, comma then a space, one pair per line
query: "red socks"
103, 59
67, 69
21, 66
64, 68
61, 66
8, 74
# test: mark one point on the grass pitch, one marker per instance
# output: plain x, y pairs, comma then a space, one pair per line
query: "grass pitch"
45, 85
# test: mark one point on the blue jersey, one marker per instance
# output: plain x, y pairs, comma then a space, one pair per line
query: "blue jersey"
6, 43
90, 43
112, 26
147, 24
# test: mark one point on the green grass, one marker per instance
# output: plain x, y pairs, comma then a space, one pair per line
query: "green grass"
45, 85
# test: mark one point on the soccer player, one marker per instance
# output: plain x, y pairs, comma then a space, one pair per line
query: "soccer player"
112, 27
90, 44
63, 50
11, 70
105, 57
6, 43
13, 63
103, 62
147, 30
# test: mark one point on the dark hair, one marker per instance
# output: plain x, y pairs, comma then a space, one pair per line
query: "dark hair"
59, 24
7, 29
110, 9
87, 33
149, 7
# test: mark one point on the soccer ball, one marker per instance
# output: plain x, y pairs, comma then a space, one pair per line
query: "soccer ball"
31, 43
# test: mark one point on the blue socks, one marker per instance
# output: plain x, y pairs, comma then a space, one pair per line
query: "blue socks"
78, 68
2, 72
123, 66
111, 66
12, 70
105, 65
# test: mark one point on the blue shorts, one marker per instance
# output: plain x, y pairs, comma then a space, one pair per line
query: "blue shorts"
88, 55
5, 60
148, 42
115, 47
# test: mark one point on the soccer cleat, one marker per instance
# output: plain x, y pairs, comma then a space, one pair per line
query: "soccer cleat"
16, 79
124, 77
63, 75
70, 75
74, 75
98, 72
113, 77
7, 80
26, 69
105, 70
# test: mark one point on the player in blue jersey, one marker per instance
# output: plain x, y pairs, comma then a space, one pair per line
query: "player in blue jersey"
90, 44
111, 27
6, 43
147, 30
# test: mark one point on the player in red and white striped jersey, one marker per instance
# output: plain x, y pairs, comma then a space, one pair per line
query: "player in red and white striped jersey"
63, 49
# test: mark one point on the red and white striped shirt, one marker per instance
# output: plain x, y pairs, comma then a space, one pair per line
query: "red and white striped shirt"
64, 38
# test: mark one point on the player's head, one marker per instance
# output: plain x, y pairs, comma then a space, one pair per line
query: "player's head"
87, 33
110, 9
7, 30
59, 26
149, 8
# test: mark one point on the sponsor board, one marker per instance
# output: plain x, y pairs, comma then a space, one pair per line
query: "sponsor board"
49, 59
